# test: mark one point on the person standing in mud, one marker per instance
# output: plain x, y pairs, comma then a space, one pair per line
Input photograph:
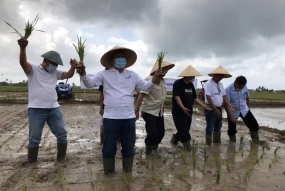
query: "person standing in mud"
42, 103
183, 97
119, 116
215, 98
151, 104
237, 94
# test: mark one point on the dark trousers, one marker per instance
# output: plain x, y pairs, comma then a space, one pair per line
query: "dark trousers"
154, 128
182, 124
249, 121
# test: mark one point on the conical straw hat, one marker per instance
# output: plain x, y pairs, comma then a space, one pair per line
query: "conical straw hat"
164, 64
220, 70
131, 56
189, 71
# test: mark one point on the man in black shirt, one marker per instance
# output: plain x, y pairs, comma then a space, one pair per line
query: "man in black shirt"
183, 97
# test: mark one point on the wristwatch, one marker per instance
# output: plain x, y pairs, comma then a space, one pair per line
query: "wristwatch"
137, 109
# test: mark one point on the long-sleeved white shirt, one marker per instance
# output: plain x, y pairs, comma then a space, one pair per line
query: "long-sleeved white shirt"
118, 90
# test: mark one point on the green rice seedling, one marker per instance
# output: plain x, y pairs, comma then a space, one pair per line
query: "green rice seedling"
228, 166
127, 180
24, 185
80, 49
183, 173
248, 174
160, 56
172, 163
29, 28
275, 151
205, 153
165, 159
274, 161
184, 157
218, 170
94, 183
60, 179
194, 154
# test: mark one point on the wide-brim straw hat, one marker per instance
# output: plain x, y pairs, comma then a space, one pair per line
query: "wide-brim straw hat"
53, 56
131, 56
164, 65
189, 71
220, 70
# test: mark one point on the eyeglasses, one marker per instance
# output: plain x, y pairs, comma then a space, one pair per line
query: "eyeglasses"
219, 90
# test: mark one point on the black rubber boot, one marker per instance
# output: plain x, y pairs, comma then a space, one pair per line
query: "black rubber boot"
187, 146
255, 138
33, 154
173, 140
61, 151
217, 137
109, 165
209, 139
128, 164
148, 149
233, 138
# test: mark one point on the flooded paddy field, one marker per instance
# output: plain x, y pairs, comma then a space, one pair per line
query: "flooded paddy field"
226, 166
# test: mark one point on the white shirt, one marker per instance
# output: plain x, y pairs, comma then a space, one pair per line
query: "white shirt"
216, 91
118, 89
41, 85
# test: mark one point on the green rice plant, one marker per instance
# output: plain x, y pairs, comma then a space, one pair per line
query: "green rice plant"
160, 56
275, 151
60, 179
95, 184
228, 166
24, 185
241, 139
218, 170
194, 154
80, 48
127, 177
172, 163
274, 161
184, 157
29, 28
245, 177
205, 153
165, 159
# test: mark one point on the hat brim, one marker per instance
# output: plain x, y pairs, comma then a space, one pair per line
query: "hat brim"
168, 67
131, 56
225, 75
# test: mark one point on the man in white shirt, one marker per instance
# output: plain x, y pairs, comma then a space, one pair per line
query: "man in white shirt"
215, 97
119, 113
42, 105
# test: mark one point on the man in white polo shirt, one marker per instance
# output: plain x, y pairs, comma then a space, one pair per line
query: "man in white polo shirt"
42, 105
119, 113
215, 97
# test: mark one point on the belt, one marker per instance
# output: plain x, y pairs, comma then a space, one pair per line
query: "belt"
208, 105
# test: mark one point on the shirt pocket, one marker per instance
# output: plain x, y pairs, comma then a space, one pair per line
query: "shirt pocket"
156, 92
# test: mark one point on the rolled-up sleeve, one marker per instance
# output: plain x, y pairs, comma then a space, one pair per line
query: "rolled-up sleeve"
91, 81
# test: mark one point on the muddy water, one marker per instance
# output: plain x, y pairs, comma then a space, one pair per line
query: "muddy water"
244, 166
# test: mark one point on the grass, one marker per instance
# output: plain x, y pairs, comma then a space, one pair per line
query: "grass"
218, 170
60, 179
267, 96
24, 185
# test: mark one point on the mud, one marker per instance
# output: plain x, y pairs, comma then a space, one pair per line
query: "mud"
244, 165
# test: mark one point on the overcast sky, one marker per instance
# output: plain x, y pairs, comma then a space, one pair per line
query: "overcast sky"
245, 37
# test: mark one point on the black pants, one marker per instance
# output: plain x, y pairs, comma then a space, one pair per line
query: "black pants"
249, 121
154, 128
182, 124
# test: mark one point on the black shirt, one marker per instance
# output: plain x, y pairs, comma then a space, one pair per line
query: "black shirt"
187, 94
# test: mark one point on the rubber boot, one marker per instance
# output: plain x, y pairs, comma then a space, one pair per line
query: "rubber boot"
33, 154
233, 138
127, 164
155, 147
255, 138
173, 140
61, 151
217, 137
187, 146
109, 165
208, 139
148, 149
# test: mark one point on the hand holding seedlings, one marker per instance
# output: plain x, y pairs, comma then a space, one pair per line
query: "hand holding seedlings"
23, 43
80, 67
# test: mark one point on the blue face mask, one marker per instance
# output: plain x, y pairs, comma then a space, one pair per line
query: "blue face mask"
51, 68
120, 63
